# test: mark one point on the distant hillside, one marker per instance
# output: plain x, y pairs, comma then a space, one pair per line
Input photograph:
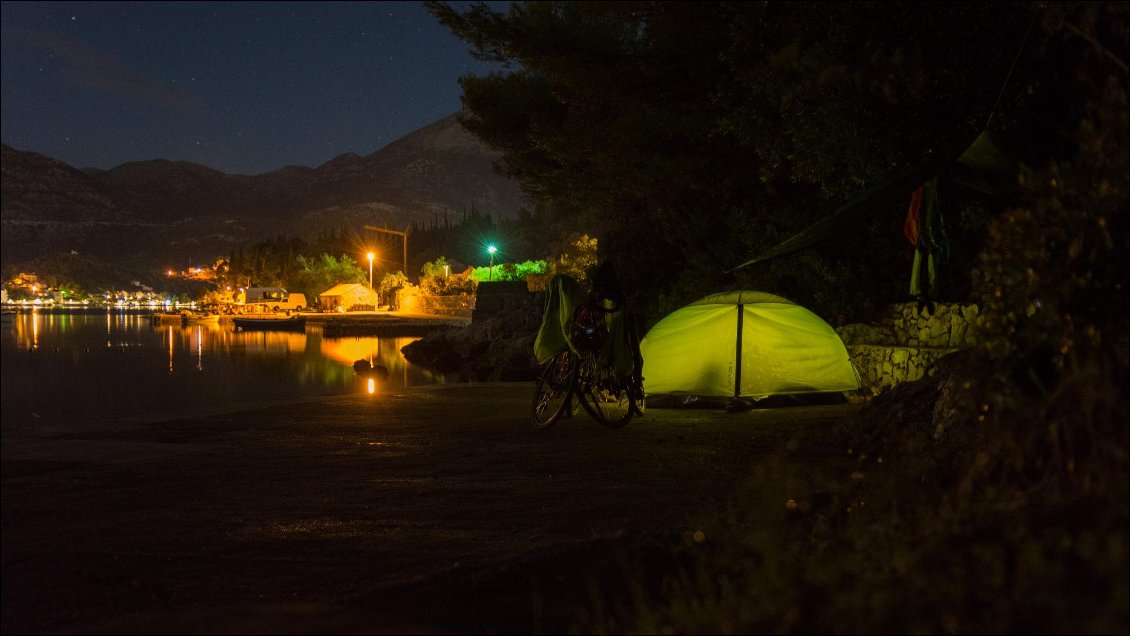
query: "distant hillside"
38, 188
150, 214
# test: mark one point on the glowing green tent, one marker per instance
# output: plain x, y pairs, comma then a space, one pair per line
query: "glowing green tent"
745, 344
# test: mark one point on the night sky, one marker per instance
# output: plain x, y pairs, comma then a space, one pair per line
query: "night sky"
242, 87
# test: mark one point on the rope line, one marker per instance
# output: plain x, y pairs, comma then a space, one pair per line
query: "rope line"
1010, 69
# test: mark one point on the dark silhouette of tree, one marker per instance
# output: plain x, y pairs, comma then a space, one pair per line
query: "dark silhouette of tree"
315, 275
689, 136
1006, 465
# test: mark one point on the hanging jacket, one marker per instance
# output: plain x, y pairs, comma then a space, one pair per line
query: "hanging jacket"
912, 227
928, 208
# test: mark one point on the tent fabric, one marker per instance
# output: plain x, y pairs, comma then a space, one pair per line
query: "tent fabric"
343, 295
745, 344
987, 165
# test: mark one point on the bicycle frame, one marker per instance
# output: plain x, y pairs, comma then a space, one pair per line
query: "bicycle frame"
571, 379
590, 369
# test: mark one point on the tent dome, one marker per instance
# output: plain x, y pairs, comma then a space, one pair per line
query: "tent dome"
745, 344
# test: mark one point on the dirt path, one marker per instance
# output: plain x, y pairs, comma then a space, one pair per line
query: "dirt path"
356, 514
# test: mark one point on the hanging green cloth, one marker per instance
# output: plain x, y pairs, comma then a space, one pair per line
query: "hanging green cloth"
564, 296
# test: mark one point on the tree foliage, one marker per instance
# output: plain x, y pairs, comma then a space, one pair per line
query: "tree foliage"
688, 136
391, 282
81, 273
436, 280
692, 135
465, 241
1053, 278
316, 275
269, 263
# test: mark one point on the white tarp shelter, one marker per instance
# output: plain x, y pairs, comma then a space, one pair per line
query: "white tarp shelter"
345, 296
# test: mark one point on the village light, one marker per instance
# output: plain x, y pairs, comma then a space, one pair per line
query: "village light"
492, 249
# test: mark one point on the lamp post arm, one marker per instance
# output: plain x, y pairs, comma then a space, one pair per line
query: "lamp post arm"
403, 235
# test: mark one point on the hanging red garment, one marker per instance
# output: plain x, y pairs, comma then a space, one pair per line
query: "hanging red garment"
912, 228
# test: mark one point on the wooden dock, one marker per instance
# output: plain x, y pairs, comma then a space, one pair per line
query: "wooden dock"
383, 324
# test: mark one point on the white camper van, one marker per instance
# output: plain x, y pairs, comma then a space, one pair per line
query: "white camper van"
270, 299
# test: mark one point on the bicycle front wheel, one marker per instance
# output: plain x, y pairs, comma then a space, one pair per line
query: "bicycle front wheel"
608, 400
555, 389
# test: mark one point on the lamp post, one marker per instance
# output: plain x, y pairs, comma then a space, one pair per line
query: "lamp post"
403, 235
492, 249
371, 257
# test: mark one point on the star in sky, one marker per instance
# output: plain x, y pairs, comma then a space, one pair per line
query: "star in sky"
242, 87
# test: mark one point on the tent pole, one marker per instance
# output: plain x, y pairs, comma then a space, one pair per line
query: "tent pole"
738, 355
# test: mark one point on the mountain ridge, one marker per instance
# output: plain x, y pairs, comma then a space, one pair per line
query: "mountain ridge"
146, 214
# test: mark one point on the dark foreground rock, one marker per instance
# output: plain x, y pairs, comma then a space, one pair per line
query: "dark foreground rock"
498, 349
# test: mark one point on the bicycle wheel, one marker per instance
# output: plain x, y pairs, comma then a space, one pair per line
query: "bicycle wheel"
554, 389
606, 398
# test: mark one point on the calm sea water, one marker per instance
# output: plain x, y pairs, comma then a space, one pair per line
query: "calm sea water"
87, 366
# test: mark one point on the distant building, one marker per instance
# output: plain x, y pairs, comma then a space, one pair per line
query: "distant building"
343, 297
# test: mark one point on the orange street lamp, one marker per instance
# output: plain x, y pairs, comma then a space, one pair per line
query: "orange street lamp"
371, 257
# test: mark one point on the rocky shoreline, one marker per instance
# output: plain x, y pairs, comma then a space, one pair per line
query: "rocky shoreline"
498, 349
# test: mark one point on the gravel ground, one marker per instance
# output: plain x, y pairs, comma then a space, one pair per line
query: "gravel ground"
424, 510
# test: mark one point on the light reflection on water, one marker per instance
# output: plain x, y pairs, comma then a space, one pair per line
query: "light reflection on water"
98, 364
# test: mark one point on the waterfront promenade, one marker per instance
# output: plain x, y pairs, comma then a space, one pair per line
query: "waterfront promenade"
387, 315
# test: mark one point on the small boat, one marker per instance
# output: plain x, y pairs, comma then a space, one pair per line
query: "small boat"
166, 318
282, 323
197, 318
183, 317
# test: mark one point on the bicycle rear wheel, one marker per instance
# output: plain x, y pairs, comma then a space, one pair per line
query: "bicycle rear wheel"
606, 398
555, 389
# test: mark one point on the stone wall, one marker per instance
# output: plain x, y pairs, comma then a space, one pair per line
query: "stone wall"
494, 297
903, 344
459, 306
